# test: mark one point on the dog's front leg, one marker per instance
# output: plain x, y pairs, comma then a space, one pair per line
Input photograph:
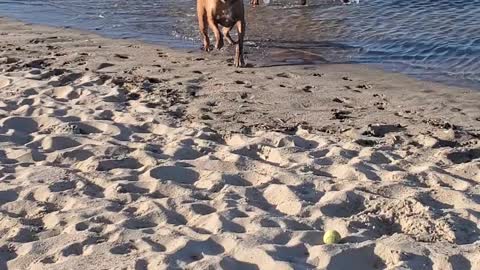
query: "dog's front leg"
202, 24
239, 61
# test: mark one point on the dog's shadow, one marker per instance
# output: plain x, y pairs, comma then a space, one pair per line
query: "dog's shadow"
275, 53
272, 53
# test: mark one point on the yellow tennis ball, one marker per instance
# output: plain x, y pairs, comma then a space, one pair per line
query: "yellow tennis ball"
331, 237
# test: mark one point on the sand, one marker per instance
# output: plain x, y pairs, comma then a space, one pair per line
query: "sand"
121, 155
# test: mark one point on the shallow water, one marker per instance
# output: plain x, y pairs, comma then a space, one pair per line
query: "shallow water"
431, 39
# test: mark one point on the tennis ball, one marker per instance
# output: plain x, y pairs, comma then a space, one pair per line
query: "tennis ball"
331, 237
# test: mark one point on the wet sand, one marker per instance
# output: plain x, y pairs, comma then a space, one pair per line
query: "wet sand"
122, 155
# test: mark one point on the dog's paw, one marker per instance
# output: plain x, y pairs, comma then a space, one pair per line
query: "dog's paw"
231, 42
207, 48
239, 63
219, 45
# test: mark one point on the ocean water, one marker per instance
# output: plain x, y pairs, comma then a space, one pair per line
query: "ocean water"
430, 39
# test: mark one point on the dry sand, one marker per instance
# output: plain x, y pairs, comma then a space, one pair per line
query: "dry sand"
121, 155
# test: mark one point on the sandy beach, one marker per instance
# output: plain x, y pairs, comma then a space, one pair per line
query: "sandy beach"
115, 154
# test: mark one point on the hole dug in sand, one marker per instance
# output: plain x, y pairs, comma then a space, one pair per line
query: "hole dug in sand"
410, 217
341, 203
283, 198
56, 143
360, 257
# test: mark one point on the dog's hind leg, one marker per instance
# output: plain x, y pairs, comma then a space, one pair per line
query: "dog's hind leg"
218, 36
239, 61
226, 34
202, 23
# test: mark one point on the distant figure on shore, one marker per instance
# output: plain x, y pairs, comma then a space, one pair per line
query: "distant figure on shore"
303, 2
256, 2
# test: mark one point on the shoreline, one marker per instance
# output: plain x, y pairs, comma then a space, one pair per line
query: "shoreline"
292, 55
345, 79
120, 154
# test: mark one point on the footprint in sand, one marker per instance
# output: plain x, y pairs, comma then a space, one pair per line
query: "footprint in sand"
176, 174
121, 56
283, 198
104, 65
66, 79
7, 196
202, 209
195, 251
75, 249
139, 223
49, 259
284, 75
20, 124
82, 226
468, 155
4, 82
123, 249
341, 203
65, 93
58, 143
103, 127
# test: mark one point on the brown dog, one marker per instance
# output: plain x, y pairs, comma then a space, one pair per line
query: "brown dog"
226, 13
